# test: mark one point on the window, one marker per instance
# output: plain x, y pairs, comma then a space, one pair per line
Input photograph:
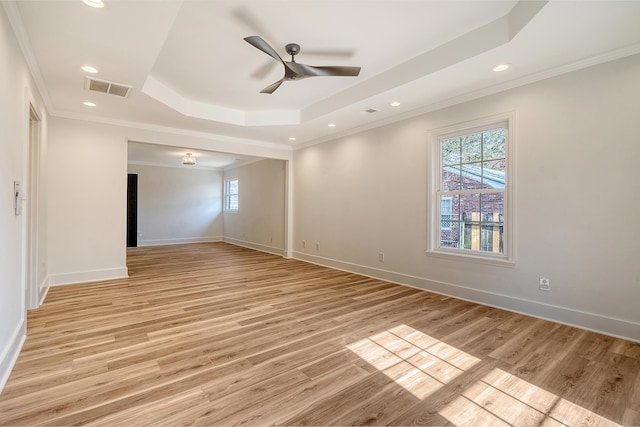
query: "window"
231, 194
446, 210
470, 191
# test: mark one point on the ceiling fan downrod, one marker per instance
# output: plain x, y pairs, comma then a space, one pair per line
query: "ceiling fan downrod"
292, 49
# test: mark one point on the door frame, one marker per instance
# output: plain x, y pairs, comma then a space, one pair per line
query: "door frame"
32, 209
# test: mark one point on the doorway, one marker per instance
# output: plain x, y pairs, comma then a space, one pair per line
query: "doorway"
32, 211
132, 210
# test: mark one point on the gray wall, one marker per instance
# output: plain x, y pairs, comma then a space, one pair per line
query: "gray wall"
577, 186
87, 194
260, 220
87, 202
178, 205
17, 92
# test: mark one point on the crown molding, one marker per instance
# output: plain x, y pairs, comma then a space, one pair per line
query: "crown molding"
15, 19
473, 95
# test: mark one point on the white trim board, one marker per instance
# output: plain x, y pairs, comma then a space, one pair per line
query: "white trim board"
43, 290
88, 276
10, 353
179, 241
256, 246
618, 328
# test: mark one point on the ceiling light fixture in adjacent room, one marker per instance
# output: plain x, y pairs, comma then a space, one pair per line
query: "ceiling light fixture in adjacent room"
331, 125
501, 67
395, 104
89, 69
89, 104
98, 4
189, 160
292, 139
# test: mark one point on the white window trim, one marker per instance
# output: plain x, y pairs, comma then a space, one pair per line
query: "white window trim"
225, 195
506, 259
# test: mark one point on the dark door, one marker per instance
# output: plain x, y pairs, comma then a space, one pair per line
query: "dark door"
132, 210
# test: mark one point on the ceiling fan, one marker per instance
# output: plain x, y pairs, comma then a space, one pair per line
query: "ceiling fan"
294, 70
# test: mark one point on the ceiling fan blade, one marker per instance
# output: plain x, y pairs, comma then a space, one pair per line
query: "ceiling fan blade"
263, 70
257, 42
272, 87
249, 19
332, 53
312, 71
337, 71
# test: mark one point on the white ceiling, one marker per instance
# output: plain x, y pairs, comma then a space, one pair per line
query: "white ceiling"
191, 69
142, 153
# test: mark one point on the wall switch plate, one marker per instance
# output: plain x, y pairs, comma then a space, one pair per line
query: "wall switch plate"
381, 257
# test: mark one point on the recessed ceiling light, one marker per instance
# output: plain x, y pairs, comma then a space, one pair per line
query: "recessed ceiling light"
395, 104
98, 4
331, 125
89, 69
501, 67
292, 139
89, 104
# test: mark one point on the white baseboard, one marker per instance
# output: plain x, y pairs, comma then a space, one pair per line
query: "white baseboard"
257, 246
43, 290
88, 276
10, 353
590, 321
179, 241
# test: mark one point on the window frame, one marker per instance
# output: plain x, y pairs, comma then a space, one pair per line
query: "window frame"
227, 195
449, 212
434, 185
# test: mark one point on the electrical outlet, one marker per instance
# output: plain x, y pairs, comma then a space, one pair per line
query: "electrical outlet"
317, 246
271, 240
381, 257
544, 285
304, 244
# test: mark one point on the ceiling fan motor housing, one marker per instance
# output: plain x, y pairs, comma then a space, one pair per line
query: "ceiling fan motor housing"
292, 49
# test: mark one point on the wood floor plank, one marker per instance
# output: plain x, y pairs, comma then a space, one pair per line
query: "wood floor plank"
213, 333
278, 408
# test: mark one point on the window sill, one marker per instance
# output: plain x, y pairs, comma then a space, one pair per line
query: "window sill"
499, 261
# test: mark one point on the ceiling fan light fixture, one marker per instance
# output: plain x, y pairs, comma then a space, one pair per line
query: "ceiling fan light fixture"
189, 160
98, 4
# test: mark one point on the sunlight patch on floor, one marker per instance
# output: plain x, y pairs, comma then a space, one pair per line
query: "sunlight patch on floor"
414, 360
504, 399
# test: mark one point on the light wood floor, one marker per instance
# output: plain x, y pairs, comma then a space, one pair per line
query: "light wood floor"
213, 334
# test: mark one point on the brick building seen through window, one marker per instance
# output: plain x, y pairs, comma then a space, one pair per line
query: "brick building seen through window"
472, 192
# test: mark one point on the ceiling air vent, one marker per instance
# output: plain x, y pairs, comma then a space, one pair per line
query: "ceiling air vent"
104, 86
371, 111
